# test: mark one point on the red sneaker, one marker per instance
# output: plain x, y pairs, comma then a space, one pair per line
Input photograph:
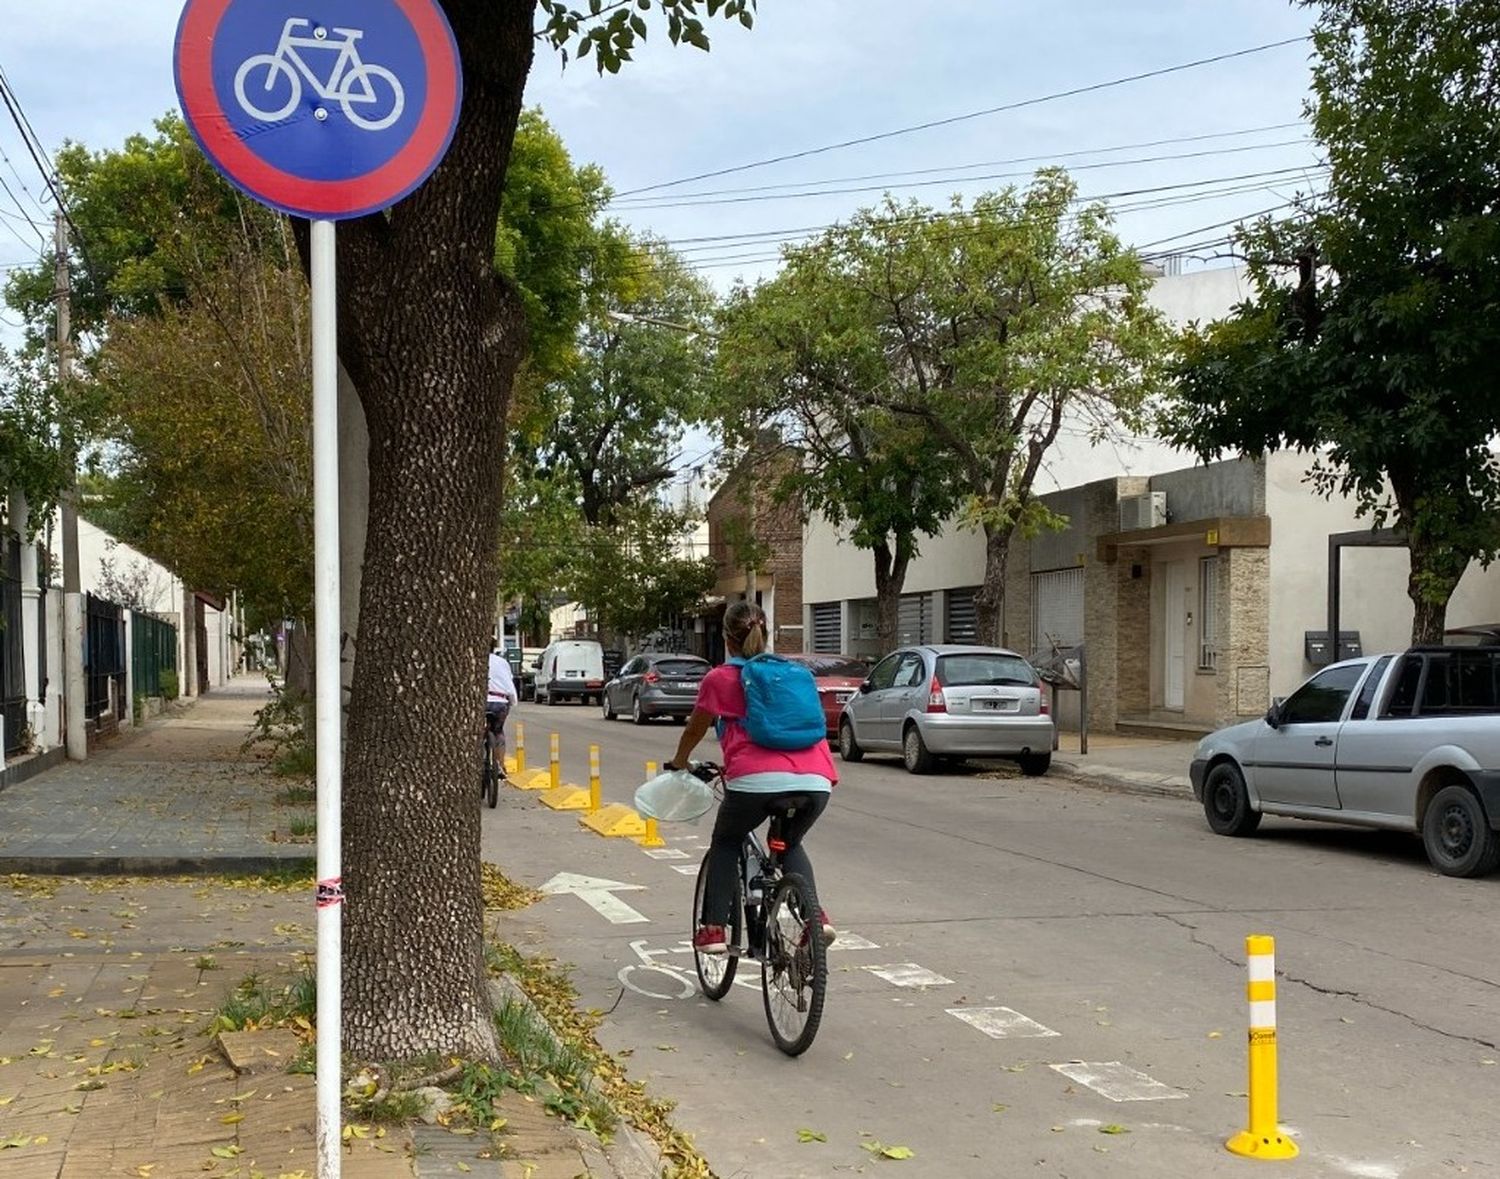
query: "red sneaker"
710, 939
825, 926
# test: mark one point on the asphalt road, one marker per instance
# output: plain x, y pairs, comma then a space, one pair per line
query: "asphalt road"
1114, 924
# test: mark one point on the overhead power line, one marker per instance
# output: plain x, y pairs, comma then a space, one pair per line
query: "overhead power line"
970, 115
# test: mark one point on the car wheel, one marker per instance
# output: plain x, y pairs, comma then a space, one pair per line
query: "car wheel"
1457, 834
849, 749
1226, 802
1034, 765
606, 706
551, 700
914, 752
637, 714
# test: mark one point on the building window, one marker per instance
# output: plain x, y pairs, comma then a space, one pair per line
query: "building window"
1208, 614
1056, 611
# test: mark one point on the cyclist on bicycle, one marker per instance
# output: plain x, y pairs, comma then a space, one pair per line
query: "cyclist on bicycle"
500, 695
753, 777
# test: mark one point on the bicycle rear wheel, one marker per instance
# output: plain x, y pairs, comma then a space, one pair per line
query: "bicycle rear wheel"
716, 971
492, 773
794, 972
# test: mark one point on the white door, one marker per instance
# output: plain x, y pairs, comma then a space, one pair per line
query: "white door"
1175, 632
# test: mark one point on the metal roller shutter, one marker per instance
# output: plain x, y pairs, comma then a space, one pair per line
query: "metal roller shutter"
827, 628
915, 622
1056, 610
963, 617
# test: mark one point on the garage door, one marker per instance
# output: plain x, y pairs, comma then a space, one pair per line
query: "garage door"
915, 623
827, 628
1056, 610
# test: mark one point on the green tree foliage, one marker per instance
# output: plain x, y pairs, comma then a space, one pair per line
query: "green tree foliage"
1373, 338
32, 410
956, 345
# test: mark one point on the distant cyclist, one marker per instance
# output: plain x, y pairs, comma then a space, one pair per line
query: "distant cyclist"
500, 695
754, 775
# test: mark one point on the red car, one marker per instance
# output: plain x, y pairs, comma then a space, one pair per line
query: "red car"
838, 678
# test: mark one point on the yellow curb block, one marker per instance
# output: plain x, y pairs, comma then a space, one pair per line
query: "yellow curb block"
565, 798
533, 780
512, 766
615, 820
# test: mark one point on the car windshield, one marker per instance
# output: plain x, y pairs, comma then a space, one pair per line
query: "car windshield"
682, 667
834, 666
984, 670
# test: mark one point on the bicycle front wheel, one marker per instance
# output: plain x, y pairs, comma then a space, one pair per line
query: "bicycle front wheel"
716, 971
794, 972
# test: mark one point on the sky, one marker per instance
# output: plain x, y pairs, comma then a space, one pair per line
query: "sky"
810, 74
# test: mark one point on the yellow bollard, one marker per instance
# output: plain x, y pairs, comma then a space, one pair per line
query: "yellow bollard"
1264, 1139
555, 766
595, 799
520, 748
650, 770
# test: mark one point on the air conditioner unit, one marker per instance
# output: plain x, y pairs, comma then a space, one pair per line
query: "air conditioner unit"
1143, 511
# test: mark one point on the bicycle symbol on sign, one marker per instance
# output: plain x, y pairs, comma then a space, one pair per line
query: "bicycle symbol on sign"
352, 84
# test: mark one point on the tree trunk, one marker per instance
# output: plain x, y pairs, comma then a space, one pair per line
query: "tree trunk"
432, 339
890, 580
989, 601
1430, 587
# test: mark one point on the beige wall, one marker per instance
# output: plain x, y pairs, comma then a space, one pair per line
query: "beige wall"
1374, 580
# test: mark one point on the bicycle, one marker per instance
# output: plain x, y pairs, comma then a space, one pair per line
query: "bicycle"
493, 767
776, 921
351, 84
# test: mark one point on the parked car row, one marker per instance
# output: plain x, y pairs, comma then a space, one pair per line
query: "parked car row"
925, 703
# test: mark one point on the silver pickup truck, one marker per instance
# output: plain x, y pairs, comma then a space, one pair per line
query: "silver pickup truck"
1409, 742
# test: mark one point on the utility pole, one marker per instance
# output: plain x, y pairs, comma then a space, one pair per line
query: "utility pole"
73, 683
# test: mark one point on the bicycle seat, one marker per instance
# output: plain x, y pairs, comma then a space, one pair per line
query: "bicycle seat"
782, 807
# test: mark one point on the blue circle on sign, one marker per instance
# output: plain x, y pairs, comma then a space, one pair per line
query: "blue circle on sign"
322, 94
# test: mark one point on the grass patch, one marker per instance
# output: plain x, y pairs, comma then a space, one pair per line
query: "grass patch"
260, 1003
303, 826
295, 761
550, 989
297, 796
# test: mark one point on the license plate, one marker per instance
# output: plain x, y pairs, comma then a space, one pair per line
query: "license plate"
998, 705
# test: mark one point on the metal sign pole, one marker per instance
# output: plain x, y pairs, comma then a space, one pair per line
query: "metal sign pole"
329, 678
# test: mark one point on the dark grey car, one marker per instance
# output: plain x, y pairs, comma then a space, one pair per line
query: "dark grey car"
658, 684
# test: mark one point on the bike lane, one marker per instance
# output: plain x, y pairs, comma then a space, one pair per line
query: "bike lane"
991, 1005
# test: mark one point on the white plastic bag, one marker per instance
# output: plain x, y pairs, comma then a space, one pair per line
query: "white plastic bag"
674, 797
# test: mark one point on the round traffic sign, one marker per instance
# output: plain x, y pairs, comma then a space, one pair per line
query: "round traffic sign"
326, 109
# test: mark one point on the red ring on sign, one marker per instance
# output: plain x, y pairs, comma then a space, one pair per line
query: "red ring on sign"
320, 198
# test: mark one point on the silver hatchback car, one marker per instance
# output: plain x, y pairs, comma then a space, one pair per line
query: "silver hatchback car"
930, 702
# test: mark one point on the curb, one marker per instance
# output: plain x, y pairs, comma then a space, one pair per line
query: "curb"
261, 865
1116, 782
631, 1154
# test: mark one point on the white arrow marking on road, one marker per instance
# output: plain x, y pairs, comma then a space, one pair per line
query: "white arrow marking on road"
598, 894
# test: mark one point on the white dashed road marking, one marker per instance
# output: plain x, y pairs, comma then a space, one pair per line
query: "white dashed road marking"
1118, 1082
908, 974
852, 941
686, 869
1001, 1023
666, 853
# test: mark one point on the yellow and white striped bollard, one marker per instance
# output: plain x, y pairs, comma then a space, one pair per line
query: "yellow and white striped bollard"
1264, 1139
555, 766
520, 748
595, 799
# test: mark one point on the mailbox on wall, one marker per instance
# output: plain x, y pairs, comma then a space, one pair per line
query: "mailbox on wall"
1317, 649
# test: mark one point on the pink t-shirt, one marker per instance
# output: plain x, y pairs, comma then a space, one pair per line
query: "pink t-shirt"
722, 695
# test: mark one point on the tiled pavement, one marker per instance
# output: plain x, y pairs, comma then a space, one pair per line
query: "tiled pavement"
108, 985
178, 796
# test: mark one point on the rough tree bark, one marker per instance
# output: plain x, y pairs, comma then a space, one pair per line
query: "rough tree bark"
989, 601
432, 338
890, 580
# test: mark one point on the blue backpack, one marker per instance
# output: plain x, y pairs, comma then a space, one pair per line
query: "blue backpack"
781, 703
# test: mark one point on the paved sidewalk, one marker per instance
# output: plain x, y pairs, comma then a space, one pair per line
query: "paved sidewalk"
108, 1069
177, 796
1140, 765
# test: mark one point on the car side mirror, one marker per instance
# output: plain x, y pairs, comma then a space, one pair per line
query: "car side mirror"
1273, 714
865, 688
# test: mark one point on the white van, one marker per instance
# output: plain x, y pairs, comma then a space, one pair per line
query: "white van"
570, 668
